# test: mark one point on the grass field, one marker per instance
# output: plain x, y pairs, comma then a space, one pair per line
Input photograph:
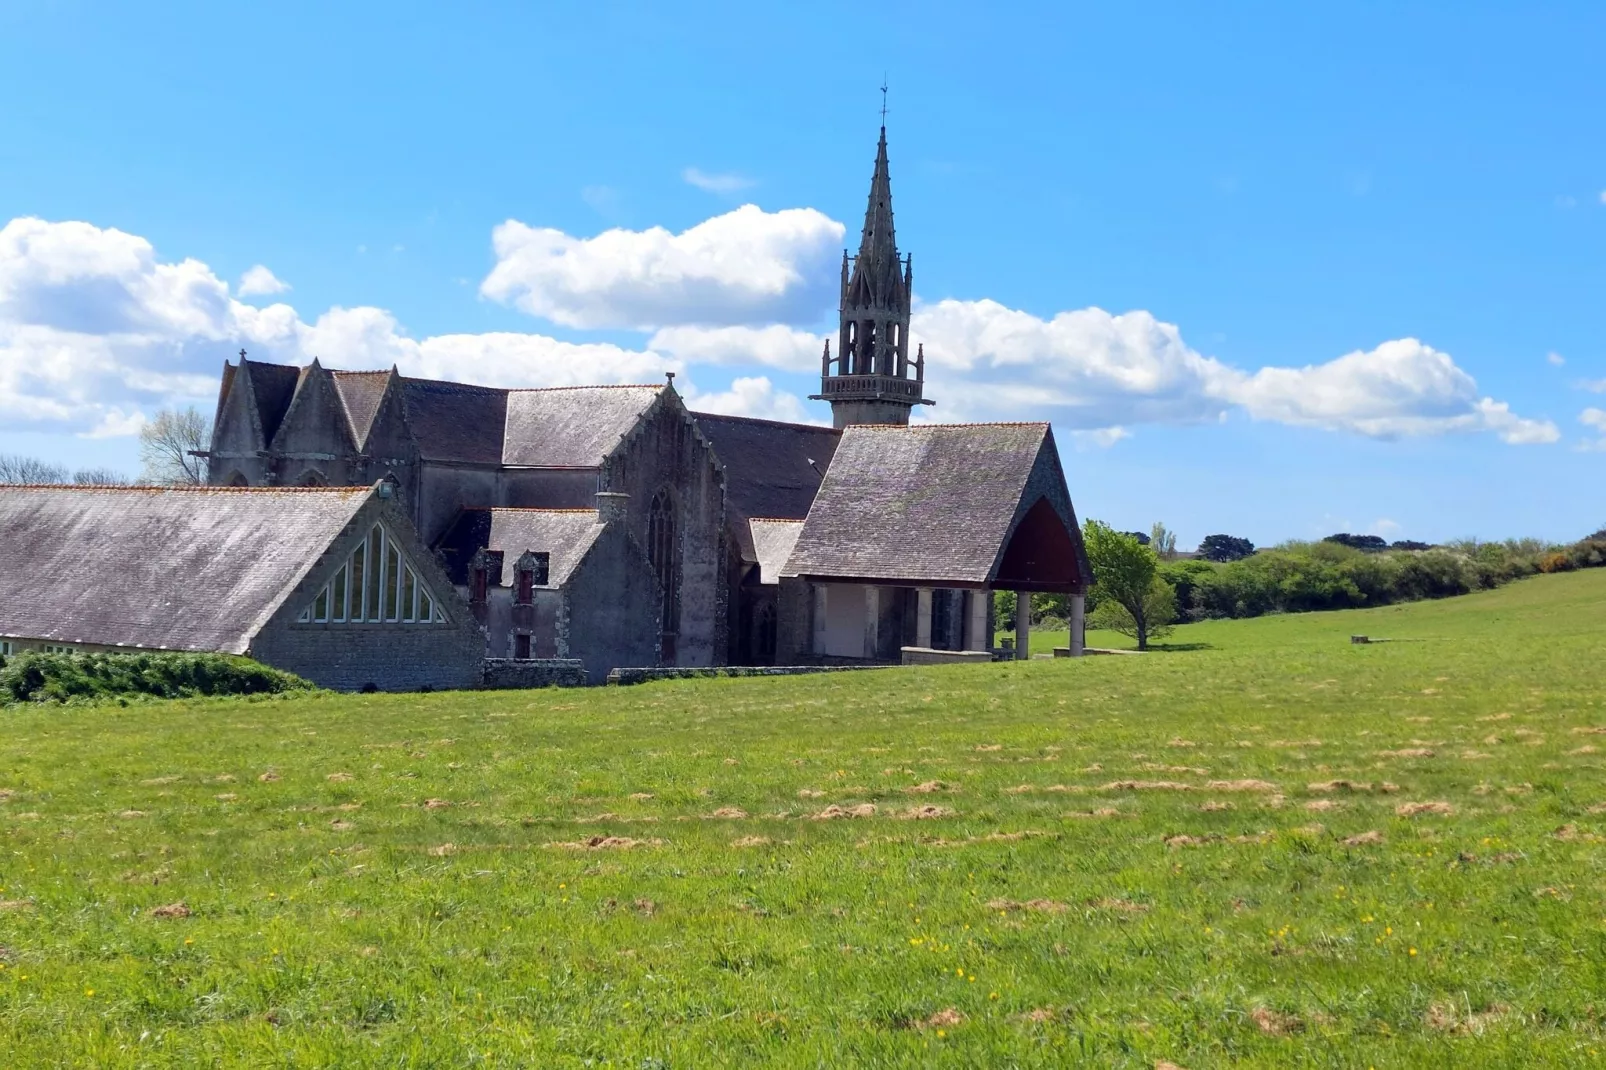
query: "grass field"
1272, 849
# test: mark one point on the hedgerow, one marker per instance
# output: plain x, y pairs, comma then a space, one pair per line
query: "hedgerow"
38, 677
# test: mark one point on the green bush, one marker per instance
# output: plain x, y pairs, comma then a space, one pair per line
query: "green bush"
35, 677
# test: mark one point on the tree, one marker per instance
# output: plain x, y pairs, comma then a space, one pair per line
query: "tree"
167, 443
17, 469
1164, 541
1127, 575
1159, 612
1367, 543
1225, 548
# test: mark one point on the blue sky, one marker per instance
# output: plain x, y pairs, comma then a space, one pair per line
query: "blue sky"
1166, 230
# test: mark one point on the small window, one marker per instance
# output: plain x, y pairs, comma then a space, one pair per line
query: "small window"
479, 582
5, 648
529, 573
521, 646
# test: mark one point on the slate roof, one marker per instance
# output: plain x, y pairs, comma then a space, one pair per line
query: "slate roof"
159, 567
925, 504
273, 385
565, 534
571, 426
773, 541
455, 421
360, 395
767, 469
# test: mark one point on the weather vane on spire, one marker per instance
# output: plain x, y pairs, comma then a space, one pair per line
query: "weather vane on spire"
883, 100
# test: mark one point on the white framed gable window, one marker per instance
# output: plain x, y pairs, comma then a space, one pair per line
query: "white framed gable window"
375, 585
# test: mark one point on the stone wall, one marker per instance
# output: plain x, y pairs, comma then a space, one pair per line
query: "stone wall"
610, 606
508, 674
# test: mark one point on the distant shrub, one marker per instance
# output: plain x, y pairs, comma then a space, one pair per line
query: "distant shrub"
1225, 548
1556, 562
1409, 544
1369, 543
35, 677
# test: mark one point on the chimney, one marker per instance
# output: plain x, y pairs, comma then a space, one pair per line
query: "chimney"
611, 506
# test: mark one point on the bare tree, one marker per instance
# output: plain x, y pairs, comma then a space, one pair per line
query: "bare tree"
100, 477
17, 469
167, 445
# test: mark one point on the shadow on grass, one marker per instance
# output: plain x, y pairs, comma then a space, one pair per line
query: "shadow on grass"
1178, 648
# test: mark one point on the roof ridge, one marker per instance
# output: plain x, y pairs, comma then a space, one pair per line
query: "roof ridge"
931, 427
151, 488
527, 509
583, 386
773, 520
763, 420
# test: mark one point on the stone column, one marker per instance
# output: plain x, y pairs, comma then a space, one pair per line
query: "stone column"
1023, 626
872, 621
976, 624
923, 617
819, 619
1078, 625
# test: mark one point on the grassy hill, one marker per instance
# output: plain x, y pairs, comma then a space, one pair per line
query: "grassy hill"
1274, 848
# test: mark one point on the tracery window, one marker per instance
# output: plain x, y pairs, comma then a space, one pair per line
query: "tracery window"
375, 585
663, 550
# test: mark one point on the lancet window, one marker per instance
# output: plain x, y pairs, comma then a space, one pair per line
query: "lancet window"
375, 585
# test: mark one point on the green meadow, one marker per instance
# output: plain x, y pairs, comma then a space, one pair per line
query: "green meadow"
1263, 846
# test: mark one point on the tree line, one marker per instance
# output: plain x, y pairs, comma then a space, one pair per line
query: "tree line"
1143, 588
167, 447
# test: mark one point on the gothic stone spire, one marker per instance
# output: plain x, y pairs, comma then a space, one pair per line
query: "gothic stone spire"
874, 381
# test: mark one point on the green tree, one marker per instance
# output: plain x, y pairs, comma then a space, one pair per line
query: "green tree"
1163, 541
1132, 599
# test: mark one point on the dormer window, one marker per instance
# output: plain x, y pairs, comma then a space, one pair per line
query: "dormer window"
479, 581
530, 572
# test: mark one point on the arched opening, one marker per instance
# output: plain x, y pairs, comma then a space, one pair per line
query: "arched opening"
663, 550
237, 480
313, 479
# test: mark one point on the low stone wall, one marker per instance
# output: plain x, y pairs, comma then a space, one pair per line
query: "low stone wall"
625, 677
924, 655
522, 673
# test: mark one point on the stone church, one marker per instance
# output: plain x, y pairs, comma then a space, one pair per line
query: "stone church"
613, 526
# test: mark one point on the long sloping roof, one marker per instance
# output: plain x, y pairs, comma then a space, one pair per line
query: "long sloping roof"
926, 504
772, 469
565, 534
571, 426
168, 568
456, 421
773, 541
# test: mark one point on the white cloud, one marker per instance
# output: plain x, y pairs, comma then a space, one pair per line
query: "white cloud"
1603, 196
716, 183
1594, 386
259, 280
1595, 418
756, 397
95, 331
1100, 437
1556, 359
747, 266
776, 346
1385, 527
1402, 388
1090, 369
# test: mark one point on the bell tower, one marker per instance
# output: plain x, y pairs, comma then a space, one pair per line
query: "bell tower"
872, 379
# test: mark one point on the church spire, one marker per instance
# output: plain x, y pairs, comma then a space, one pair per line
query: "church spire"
873, 380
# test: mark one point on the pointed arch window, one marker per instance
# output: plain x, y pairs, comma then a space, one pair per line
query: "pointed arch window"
663, 550
376, 584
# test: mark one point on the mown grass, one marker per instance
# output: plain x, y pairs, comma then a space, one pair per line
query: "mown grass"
1135, 860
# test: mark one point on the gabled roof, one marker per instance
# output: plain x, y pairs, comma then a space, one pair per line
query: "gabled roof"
772, 469
571, 426
773, 541
273, 386
360, 395
932, 504
565, 534
195, 568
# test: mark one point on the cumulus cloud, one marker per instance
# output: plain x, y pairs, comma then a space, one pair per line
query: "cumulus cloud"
95, 331
1101, 437
1091, 369
776, 346
747, 266
1594, 419
1556, 359
259, 281
716, 183
756, 397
